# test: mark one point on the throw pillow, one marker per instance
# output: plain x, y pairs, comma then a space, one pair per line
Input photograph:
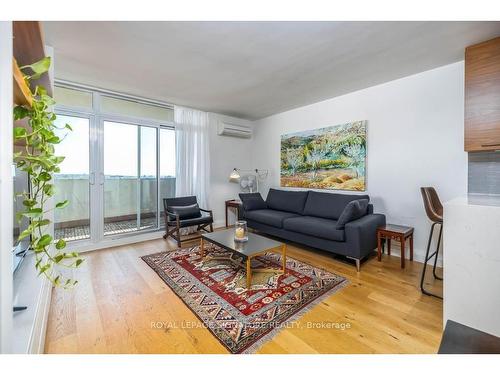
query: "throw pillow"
185, 212
252, 201
354, 210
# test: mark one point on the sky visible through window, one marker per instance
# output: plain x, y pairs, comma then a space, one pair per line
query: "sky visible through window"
75, 146
120, 149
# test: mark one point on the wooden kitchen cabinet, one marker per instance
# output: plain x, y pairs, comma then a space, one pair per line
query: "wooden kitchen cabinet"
482, 96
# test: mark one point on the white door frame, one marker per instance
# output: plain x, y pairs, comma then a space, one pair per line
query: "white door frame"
6, 187
93, 196
97, 119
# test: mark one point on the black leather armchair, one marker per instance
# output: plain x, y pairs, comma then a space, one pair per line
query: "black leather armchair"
183, 212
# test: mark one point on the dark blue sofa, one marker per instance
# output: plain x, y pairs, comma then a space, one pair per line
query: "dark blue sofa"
310, 218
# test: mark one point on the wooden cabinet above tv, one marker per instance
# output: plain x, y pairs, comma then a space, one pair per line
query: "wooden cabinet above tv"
482, 96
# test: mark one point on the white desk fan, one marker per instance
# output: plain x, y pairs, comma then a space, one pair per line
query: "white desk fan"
249, 183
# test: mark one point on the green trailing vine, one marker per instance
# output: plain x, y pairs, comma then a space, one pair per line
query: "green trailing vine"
38, 160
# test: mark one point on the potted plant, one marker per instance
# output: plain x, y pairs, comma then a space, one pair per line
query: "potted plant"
39, 161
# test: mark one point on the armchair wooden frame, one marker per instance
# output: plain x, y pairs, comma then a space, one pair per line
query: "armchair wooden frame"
173, 226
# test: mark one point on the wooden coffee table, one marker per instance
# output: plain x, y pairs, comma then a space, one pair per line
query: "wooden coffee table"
256, 245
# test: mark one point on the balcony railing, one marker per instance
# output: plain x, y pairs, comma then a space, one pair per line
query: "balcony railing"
130, 205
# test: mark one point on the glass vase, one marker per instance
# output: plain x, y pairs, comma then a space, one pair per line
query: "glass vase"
241, 231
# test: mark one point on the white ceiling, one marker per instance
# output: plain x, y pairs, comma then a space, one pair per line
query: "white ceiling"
253, 69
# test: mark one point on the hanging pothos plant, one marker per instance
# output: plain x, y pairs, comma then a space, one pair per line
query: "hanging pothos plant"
38, 160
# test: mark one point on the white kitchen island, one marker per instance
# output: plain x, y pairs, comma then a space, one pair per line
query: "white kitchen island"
472, 262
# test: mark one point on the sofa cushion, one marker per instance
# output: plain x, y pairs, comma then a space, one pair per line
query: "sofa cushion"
285, 200
252, 201
185, 212
269, 217
328, 205
315, 226
354, 210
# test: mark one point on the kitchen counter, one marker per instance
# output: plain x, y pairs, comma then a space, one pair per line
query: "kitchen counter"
471, 258
477, 200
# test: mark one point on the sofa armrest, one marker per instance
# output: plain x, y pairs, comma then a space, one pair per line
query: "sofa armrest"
361, 234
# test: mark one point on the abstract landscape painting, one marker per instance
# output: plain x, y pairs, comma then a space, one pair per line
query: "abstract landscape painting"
328, 158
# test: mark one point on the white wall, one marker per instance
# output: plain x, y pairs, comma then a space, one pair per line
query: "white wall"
415, 138
226, 153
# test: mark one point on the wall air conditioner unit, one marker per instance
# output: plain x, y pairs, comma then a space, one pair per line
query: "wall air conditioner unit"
234, 130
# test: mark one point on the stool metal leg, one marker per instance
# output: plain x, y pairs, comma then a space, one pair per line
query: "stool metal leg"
427, 258
437, 253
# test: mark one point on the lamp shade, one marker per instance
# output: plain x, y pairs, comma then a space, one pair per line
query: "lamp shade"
234, 176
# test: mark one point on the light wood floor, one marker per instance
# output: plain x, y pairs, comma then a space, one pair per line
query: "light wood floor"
119, 297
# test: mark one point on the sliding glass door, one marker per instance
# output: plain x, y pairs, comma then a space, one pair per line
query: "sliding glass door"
130, 178
120, 164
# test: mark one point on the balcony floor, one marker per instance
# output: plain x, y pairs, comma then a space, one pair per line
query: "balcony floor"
82, 232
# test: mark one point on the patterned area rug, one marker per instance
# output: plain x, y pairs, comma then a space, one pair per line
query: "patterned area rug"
214, 288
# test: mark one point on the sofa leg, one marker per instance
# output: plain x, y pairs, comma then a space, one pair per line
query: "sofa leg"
358, 263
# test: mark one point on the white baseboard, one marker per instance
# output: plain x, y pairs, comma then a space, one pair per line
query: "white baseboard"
418, 254
107, 243
127, 240
219, 224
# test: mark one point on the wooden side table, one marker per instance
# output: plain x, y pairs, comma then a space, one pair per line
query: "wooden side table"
234, 203
395, 232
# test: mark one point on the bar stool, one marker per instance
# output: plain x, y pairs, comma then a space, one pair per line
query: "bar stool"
434, 211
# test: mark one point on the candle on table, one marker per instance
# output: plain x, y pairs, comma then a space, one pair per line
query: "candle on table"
240, 233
